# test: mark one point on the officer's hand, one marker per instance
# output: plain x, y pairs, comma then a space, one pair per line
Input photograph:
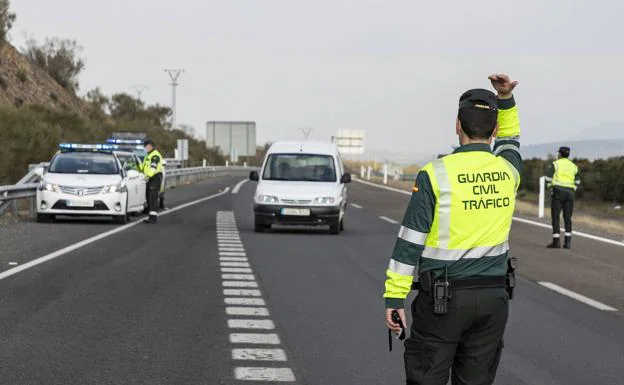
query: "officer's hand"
503, 84
396, 328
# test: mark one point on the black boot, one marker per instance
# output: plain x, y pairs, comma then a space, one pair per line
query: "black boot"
555, 244
567, 242
153, 218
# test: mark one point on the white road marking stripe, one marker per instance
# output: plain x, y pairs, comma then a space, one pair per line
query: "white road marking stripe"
235, 270
239, 284
232, 254
237, 241
517, 219
253, 311
244, 301
230, 244
238, 277
388, 220
356, 205
259, 354
229, 232
236, 249
265, 324
578, 297
238, 186
264, 374
244, 259
228, 237
235, 264
250, 292
253, 338
103, 235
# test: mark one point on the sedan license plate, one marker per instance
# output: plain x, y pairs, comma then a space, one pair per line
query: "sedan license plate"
80, 203
297, 212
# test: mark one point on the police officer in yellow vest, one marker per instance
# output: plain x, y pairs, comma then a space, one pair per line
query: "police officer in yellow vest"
563, 179
454, 235
152, 168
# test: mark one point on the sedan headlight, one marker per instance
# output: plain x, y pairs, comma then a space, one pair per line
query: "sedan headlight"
325, 200
115, 188
43, 185
266, 199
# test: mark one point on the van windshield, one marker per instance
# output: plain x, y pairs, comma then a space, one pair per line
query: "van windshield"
300, 167
84, 163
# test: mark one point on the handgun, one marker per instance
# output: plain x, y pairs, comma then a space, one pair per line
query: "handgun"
396, 318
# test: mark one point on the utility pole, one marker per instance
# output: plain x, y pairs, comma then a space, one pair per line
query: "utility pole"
174, 74
139, 88
306, 132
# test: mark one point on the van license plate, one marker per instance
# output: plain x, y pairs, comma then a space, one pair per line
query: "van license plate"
80, 203
298, 212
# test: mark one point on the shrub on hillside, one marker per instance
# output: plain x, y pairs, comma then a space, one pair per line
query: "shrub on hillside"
59, 58
7, 18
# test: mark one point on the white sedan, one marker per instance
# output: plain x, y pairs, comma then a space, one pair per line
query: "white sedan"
89, 180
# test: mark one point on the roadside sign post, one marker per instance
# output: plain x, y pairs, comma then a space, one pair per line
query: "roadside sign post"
542, 196
368, 175
385, 173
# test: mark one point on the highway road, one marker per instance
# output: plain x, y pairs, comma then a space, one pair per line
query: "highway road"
202, 299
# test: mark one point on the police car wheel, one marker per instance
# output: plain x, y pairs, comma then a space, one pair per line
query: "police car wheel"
334, 227
45, 217
342, 224
121, 219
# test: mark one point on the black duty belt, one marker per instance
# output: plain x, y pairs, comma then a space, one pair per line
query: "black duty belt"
469, 283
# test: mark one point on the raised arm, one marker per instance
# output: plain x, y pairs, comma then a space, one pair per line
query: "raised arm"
507, 143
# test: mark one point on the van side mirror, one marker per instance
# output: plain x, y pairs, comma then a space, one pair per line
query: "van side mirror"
346, 178
253, 175
39, 171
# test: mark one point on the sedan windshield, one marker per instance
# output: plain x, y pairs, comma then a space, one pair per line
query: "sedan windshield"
84, 163
300, 167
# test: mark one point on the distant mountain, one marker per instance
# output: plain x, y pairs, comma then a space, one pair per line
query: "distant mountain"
590, 149
609, 130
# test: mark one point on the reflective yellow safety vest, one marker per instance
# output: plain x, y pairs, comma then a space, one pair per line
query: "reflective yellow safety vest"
475, 195
152, 164
565, 173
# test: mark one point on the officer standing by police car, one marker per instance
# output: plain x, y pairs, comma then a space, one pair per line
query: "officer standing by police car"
563, 179
455, 235
152, 168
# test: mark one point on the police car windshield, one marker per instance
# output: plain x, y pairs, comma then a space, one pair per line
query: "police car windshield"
84, 163
300, 167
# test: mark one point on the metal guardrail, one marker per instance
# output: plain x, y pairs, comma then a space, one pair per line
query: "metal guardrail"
26, 188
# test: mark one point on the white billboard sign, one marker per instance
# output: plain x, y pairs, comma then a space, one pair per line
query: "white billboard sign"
350, 141
182, 150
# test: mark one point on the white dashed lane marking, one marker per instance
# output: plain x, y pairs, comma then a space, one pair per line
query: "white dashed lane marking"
243, 299
356, 205
390, 220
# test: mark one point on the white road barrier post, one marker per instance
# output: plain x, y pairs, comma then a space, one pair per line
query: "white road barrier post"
362, 171
244, 164
227, 163
368, 174
542, 193
385, 172
204, 163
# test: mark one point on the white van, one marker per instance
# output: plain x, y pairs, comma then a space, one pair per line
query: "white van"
301, 183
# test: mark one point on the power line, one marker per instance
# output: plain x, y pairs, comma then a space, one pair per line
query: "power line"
174, 74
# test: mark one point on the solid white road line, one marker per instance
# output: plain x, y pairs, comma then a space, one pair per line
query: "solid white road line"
264, 374
259, 354
238, 186
234, 264
578, 297
235, 270
244, 301
517, 219
388, 220
239, 284
248, 311
242, 292
103, 235
254, 338
356, 205
265, 324
231, 254
242, 259
238, 277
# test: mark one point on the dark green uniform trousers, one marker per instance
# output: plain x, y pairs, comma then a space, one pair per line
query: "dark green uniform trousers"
467, 341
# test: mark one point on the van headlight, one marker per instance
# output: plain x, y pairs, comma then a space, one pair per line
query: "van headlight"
43, 185
115, 188
266, 199
325, 200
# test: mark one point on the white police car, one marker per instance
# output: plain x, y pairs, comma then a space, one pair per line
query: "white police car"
89, 180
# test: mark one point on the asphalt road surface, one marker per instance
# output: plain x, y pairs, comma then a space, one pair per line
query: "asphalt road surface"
200, 298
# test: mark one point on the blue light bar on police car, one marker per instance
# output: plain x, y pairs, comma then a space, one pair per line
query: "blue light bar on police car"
81, 146
124, 141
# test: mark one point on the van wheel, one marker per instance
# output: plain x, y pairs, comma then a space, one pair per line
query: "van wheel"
342, 224
120, 219
45, 218
334, 227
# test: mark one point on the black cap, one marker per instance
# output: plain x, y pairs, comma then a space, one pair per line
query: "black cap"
564, 150
479, 98
148, 141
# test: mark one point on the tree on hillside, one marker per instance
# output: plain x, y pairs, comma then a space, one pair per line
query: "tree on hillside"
98, 101
125, 106
7, 18
59, 57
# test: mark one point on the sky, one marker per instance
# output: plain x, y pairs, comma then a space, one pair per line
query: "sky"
393, 68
